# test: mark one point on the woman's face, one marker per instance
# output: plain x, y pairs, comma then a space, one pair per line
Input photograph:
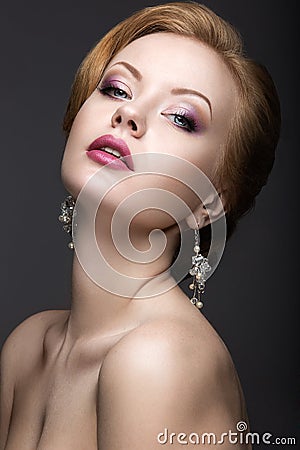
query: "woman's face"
163, 93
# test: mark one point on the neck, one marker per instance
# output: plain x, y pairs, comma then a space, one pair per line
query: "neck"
97, 311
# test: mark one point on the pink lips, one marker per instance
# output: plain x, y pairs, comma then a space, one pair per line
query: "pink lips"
95, 153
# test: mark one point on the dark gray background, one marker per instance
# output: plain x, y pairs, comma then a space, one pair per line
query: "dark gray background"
252, 298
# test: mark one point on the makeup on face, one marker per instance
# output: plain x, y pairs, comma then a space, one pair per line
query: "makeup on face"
108, 149
161, 94
115, 89
185, 116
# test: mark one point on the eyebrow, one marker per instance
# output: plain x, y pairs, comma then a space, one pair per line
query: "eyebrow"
180, 91
131, 69
175, 91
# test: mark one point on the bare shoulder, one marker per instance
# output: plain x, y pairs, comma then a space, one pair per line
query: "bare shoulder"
186, 355
188, 345
32, 327
169, 372
27, 338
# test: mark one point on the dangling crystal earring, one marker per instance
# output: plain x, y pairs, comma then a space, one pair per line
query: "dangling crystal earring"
198, 270
67, 209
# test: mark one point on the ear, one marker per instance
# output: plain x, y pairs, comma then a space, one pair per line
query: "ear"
207, 212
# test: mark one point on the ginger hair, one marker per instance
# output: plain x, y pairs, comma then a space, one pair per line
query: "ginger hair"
247, 156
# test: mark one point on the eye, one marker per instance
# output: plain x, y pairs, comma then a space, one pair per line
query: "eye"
114, 90
182, 120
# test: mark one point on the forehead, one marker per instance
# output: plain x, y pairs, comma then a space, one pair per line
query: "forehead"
169, 60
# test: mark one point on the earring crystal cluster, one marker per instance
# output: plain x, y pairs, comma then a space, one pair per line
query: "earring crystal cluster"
66, 215
200, 267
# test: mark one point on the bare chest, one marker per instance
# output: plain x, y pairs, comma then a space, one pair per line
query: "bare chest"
55, 409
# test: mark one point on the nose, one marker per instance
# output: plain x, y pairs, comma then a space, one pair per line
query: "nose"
128, 117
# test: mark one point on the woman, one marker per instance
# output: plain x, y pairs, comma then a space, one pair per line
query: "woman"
134, 366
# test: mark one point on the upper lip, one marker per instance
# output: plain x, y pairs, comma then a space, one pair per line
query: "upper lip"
114, 143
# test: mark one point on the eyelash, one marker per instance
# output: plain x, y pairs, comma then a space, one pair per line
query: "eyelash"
191, 123
107, 88
110, 88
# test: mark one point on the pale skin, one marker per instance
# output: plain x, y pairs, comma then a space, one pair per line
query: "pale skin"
112, 373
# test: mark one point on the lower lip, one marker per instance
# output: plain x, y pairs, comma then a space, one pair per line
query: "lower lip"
103, 158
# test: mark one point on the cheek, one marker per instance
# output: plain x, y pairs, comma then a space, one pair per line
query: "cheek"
83, 126
88, 119
75, 170
207, 152
200, 148
81, 133
202, 152
207, 160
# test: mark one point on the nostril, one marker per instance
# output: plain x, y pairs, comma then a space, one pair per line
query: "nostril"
133, 125
118, 119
